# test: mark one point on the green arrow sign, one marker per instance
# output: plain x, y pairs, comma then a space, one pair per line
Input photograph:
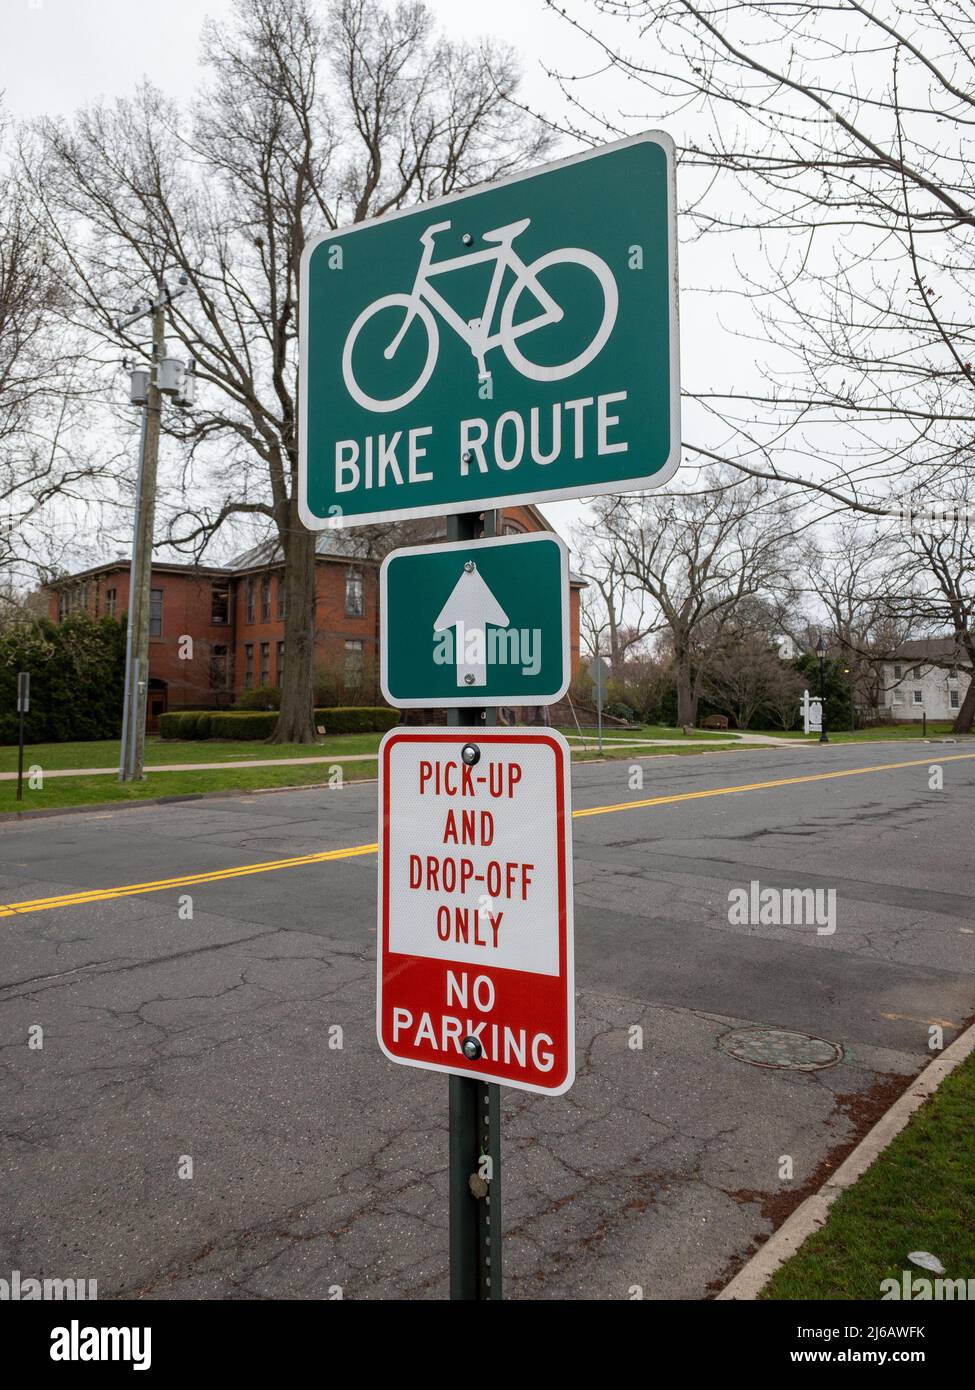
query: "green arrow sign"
476, 623
514, 343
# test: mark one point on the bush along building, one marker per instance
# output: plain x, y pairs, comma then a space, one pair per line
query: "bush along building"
216, 637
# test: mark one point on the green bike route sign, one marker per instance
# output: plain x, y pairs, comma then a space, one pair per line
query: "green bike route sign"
476, 623
513, 343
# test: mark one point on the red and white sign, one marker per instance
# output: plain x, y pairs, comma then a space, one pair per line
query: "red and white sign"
475, 905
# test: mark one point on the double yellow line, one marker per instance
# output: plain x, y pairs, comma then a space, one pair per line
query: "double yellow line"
127, 890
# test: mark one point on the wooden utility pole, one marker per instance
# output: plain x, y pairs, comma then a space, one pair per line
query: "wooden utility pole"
132, 754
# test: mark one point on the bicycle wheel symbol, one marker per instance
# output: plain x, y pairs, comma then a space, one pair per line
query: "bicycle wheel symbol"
402, 306
569, 255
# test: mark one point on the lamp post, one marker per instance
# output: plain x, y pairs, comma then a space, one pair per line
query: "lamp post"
164, 376
821, 653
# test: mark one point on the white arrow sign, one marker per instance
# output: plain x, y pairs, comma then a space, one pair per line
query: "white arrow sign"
468, 610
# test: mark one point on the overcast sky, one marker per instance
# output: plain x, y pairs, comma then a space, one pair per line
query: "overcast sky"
58, 55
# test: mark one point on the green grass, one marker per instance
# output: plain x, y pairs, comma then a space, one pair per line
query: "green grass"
105, 752
936, 729
67, 793
919, 1195
60, 793
644, 731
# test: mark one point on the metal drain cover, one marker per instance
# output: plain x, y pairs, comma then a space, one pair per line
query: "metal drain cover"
780, 1050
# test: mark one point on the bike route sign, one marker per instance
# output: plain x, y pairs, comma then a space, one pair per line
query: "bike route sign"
513, 343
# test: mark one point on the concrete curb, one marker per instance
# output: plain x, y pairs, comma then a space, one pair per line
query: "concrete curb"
811, 1214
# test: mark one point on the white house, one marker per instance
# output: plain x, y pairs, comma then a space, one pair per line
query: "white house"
914, 686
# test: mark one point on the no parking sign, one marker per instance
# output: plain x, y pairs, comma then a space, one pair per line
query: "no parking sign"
475, 962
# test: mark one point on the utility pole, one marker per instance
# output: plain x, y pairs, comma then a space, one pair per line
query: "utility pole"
165, 376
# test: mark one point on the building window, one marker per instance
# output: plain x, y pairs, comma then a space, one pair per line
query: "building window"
155, 612
898, 673
512, 528
281, 592
111, 603
250, 600
953, 673
919, 697
280, 663
266, 598
248, 665
220, 601
355, 605
353, 664
896, 698
218, 667
953, 699
916, 673
265, 663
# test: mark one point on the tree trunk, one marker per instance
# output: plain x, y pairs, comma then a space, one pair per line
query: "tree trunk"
963, 719
686, 695
295, 722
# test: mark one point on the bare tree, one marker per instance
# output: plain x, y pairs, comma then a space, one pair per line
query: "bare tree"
699, 556
834, 134
42, 460
311, 120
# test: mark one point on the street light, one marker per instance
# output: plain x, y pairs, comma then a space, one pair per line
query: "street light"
821, 653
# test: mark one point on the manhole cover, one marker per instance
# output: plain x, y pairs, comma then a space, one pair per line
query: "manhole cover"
774, 1047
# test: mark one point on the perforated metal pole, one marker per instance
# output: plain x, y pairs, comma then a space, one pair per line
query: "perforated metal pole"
475, 1106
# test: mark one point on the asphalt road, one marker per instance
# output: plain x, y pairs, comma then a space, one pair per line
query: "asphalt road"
319, 1167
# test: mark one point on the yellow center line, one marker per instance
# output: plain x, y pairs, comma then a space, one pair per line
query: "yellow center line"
127, 890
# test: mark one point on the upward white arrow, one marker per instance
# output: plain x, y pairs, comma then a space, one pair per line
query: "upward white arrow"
469, 609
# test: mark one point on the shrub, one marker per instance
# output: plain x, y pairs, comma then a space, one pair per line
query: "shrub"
356, 719
264, 698
247, 724
77, 669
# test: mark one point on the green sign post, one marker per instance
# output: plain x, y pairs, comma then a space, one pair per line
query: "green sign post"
481, 623
514, 343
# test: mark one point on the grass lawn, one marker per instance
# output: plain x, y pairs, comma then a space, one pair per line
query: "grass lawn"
59, 793
67, 792
936, 729
105, 752
919, 1195
644, 731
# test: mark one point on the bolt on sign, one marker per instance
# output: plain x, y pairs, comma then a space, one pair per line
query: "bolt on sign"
476, 623
475, 962
513, 343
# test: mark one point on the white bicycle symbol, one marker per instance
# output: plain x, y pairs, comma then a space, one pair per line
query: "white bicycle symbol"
477, 333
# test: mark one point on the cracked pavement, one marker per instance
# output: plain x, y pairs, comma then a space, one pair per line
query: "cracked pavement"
243, 1036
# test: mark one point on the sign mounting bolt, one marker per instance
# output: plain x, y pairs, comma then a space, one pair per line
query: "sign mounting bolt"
471, 1047
470, 754
467, 238
470, 566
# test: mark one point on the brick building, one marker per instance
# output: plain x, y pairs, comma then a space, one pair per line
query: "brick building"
216, 631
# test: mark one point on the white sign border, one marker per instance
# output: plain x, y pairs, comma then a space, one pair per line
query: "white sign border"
471, 735
469, 701
536, 495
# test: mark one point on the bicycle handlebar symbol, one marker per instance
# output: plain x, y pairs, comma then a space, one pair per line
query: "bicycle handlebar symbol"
423, 298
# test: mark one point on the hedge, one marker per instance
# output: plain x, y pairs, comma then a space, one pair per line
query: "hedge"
357, 719
258, 724
76, 669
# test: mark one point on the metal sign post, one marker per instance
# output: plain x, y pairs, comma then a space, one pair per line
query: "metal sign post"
23, 707
474, 1121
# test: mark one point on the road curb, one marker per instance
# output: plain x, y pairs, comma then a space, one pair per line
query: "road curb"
811, 1214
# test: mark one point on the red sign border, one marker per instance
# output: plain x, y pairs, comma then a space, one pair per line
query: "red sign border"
563, 812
